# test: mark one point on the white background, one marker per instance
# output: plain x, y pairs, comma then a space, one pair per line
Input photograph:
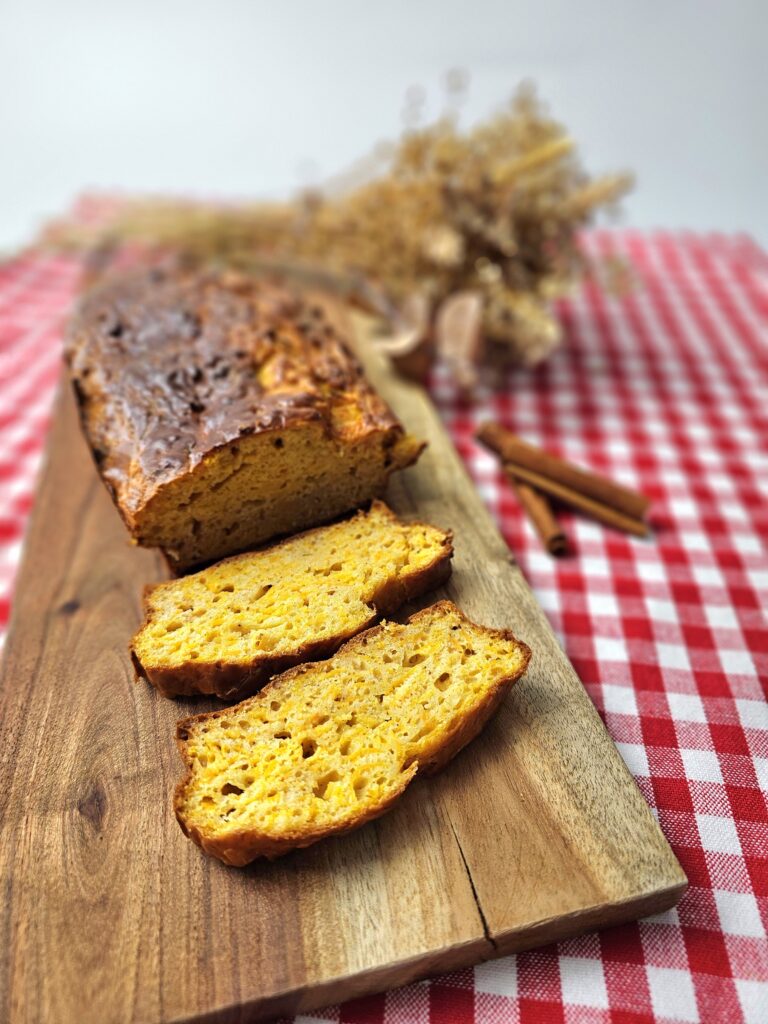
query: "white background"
244, 97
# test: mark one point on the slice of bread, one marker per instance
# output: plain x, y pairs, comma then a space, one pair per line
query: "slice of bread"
229, 628
326, 747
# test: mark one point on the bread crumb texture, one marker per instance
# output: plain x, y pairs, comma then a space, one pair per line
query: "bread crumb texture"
226, 629
269, 485
328, 746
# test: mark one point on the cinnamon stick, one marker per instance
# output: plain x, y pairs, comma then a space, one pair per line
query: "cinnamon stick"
588, 486
539, 511
595, 509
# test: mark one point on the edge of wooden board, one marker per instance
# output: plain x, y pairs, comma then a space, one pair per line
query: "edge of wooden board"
536, 695
407, 971
404, 972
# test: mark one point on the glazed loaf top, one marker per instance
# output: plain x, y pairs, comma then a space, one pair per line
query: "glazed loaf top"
168, 367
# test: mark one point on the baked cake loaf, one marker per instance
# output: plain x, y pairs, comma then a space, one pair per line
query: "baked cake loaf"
227, 629
326, 747
223, 412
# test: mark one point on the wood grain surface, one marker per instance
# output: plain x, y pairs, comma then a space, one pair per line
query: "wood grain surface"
535, 832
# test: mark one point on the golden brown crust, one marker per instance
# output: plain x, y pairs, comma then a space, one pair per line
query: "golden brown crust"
240, 847
234, 682
169, 368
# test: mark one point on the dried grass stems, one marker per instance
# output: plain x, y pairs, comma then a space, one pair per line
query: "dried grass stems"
458, 237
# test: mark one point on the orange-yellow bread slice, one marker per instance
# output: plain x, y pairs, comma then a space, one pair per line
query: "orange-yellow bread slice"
326, 747
229, 628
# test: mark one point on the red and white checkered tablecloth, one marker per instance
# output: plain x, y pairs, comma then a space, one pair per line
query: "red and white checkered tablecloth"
667, 390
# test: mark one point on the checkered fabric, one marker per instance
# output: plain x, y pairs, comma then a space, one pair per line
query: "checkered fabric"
665, 389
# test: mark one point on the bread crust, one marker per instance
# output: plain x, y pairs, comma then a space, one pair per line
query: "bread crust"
234, 682
241, 846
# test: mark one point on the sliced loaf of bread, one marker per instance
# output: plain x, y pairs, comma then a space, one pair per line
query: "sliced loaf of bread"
229, 628
328, 746
223, 410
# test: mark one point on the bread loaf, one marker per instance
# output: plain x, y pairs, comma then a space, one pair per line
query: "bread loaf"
223, 412
226, 629
326, 747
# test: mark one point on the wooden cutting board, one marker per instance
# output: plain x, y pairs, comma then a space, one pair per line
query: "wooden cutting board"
535, 832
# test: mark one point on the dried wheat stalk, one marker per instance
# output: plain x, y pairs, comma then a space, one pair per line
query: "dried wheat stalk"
475, 229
